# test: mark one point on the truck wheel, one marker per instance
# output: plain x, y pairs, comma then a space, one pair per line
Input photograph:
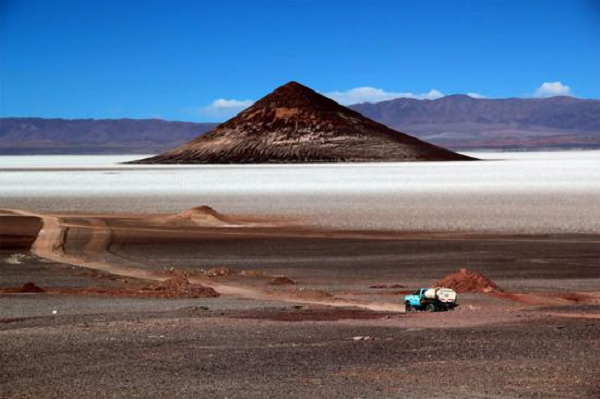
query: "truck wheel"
408, 308
430, 308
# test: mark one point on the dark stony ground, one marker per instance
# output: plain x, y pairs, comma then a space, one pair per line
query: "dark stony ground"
230, 347
221, 354
515, 262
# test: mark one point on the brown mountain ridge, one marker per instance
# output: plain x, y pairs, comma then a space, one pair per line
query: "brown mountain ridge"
295, 124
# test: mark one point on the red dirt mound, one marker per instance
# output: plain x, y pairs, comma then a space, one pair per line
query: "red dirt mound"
31, 287
203, 210
201, 216
180, 287
468, 281
283, 281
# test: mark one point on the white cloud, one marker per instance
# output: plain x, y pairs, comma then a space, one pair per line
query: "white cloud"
222, 103
221, 108
551, 89
373, 94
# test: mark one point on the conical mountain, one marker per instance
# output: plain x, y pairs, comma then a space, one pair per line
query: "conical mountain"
296, 124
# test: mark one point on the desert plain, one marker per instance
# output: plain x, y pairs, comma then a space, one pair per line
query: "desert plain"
225, 294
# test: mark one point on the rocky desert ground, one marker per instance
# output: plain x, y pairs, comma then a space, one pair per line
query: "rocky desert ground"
199, 304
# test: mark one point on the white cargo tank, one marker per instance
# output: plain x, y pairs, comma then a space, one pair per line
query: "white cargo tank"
445, 295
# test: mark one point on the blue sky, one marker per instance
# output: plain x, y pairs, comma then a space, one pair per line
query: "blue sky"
206, 60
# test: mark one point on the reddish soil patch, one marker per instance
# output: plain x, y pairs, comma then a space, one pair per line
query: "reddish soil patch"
383, 293
525, 298
468, 281
385, 286
578, 297
31, 287
552, 298
24, 289
180, 287
18, 232
176, 287
309, 294
12, 320
315, 315
283, 281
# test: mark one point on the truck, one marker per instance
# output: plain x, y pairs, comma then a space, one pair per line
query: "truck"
431, 300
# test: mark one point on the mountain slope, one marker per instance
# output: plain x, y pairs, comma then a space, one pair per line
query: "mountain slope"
94, 136
296, 124
459, 121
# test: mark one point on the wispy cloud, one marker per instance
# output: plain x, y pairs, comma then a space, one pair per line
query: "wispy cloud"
224, 107
221, 108
374, 94
551, 89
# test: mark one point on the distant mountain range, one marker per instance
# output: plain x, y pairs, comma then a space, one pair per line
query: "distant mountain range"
463, 122
94, 136
458, 122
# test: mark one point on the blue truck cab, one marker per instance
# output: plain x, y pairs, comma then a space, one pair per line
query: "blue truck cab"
431, 300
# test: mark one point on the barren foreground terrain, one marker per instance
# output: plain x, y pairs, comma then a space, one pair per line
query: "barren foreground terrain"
300, 312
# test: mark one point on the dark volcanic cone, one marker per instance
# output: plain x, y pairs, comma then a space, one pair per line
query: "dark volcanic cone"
296, 124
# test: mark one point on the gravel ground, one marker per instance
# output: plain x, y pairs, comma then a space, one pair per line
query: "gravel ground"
19, 267
229, 347
40, 305
516, 263
205, 353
